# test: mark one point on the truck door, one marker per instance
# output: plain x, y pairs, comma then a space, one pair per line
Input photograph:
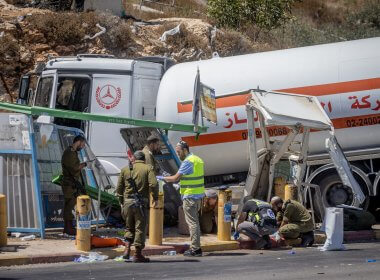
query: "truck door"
46, 88
110, 96
146, 80
147, 89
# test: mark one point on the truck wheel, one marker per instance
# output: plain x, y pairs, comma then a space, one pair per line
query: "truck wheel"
335, 193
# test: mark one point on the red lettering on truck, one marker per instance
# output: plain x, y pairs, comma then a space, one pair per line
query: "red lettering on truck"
108, 96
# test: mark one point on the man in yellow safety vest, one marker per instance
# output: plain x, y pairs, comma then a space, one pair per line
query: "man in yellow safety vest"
191, 177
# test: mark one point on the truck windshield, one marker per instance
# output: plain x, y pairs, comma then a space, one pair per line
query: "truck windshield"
44, 92
72, 94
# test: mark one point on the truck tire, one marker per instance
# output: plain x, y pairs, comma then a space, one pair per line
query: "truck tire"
334, 192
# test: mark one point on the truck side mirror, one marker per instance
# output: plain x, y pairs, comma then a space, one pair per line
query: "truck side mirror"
23, 92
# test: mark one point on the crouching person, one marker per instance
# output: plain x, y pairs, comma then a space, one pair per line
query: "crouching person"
294, 220
133, 189
257, 221
209, 212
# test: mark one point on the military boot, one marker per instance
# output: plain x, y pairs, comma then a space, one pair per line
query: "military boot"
138, 257
268, 244
127, 251
307, 239
68, 227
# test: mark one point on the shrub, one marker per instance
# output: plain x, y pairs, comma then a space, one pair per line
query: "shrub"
368, 16
237, 13
9, 51
320, 12
225, 13
228, 43
185, 39
71, 28
59, 28
182, 40
118, 35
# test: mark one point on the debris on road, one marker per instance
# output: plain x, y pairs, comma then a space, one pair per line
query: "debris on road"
119, 259
169, 253
16, 234
28, 237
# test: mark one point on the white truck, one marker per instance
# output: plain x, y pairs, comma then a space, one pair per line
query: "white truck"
345, 77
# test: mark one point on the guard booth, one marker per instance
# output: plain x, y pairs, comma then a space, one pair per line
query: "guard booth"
30, 156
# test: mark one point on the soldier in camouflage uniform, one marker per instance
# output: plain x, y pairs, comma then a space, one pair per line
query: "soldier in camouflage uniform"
152, 146
71, 171
136, 217
294, 220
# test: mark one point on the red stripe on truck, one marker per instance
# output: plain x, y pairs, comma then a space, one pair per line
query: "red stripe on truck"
242, 135
316, 90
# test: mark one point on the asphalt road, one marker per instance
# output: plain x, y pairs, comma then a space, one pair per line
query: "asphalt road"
237, 265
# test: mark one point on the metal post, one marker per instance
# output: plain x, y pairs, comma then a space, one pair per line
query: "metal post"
36, 172
98, 208
302, 159
156, 218
3, 220
252, 142
291, 192
83, 238
224, 215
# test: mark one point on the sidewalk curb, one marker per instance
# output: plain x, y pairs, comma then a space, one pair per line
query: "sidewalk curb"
35, 259
349, 236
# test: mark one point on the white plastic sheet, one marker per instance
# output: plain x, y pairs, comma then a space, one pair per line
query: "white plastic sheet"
170, 32
333, 226
102, 31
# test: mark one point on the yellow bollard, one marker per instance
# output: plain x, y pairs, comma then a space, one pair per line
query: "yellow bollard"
291, 192
224, 215
279, 187
83, 238
156, 219
3, 220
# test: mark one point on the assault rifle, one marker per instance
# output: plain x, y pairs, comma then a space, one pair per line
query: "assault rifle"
81, 190
139, 203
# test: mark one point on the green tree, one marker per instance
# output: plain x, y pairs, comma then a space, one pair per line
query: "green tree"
265, 14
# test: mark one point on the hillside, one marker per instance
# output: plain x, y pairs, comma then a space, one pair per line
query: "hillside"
30, 34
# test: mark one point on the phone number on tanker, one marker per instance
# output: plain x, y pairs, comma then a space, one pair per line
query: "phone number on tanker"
363, 121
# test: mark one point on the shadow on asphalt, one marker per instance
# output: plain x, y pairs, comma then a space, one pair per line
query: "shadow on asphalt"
174, 261
225, 254
347, 250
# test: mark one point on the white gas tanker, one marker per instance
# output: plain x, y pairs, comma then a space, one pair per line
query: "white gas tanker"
344, 76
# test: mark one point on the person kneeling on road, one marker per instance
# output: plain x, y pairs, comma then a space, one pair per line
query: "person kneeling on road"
257, 221
133, 187
294, 220
209, 212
